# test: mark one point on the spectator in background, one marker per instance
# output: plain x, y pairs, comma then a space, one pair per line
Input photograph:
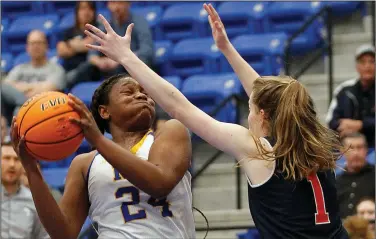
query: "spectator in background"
55, 193
357, 228
39, 75
101, 66
19, 218
366, 209
4, 130
72, 48
358, 181
353, 105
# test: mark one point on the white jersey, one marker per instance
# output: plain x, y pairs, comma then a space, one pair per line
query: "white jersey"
123, 211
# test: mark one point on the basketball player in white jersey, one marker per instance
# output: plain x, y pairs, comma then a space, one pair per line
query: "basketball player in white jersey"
136, 186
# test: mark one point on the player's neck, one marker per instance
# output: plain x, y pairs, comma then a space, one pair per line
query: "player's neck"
128, 139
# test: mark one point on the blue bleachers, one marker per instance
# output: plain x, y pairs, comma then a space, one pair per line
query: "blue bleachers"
85, 91
6, 62
85, 147
55, 177
340, 8
162, 52
20, 28
207, 91
65, 163
153, 15
60, 7
194, 56
184, 20
288, 17
264, 54
242, 17
14, 9
66, 22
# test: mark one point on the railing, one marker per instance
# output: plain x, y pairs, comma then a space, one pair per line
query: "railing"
326, 13
218, 153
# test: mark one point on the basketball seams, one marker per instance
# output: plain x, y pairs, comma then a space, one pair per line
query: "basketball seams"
30, 106
32, 126
56, 142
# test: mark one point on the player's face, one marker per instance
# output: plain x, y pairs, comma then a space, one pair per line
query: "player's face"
356, 155
366, 67
129, 102
255, 119
36, 45
366, 210
85, 13
11, 167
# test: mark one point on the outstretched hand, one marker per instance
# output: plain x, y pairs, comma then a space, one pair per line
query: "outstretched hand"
111, 44
218, 29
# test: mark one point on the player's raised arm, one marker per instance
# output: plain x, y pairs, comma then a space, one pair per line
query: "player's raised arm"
64, 221
232, 139
243, 70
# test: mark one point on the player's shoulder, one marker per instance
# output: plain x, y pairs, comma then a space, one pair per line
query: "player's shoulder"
82, 161
172, 127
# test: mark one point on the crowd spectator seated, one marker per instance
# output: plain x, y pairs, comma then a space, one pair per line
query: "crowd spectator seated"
353, 105
37, 76
100, 66
366, 209
358, 179
72, 47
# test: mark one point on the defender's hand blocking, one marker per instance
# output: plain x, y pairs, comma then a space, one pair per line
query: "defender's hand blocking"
111, 44
86, 121
218, 29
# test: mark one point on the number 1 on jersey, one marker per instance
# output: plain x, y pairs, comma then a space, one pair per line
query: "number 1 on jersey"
321, 216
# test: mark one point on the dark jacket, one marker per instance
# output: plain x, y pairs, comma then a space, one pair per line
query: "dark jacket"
351, 101
352, 187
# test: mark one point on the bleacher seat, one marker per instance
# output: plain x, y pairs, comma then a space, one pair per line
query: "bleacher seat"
24, 57
341, 8
85, 147
86, 226
4, 24
262, 51
162, 52
15, 9
55, 177
194, 56
175, 81
60, 7
153, 15
64, 163
4, 29
66, 22
184, 20
6, 62
19, 28
243, 17
208, 91
84, 91
371, 157
249, 234
105, 12
289, 17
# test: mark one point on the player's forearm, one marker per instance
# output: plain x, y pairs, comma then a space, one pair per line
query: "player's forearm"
246, 74
49, 212
165, 94
143, 174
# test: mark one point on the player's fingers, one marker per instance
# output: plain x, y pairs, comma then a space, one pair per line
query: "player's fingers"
96, 30
76, 121
214, 12
22, 143
106, 25
94, 47
76, 99
80, 110
94, 37
14, 133
207, 9
129, 30
210, 22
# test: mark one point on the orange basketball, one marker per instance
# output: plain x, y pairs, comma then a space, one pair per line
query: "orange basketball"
44, 122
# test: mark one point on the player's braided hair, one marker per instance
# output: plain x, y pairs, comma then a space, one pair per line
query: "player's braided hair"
100, 97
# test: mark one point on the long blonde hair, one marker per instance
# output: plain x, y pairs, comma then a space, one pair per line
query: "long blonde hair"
302, 144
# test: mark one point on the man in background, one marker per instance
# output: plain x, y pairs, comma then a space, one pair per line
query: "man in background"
353, 105
19, 218
358, 180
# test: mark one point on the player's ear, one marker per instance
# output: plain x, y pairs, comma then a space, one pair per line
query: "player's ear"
103, 112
